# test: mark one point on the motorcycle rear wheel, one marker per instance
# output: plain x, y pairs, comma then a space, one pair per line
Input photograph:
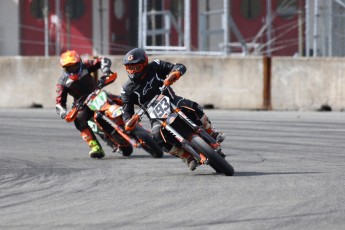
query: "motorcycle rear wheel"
217, 162
150, 145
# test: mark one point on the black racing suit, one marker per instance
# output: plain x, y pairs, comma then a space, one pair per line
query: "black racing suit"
139, 92
85, 85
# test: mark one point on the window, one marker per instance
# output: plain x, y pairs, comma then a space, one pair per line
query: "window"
251, 9
74, 8
37, 7
287, 9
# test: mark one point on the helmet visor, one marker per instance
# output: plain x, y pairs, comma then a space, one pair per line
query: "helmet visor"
136, 68
73, 69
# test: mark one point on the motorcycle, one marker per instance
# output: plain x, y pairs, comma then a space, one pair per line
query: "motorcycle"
106, 109
181, 130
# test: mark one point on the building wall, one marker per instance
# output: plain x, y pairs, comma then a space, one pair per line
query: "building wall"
75, 33
110, 27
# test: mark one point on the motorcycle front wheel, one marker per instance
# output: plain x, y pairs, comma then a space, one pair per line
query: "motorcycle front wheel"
149, 145
216, 161
125, 147
127, 150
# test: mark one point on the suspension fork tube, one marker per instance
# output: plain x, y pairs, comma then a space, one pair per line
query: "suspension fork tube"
119, 130
195, 127
185, 144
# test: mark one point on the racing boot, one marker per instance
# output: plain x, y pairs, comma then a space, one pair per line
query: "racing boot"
185, 156
96, 148
218, 136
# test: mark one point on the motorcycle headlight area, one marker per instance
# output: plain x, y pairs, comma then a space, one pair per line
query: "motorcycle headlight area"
115, 111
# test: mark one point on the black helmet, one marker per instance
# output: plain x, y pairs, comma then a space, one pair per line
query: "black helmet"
136, 62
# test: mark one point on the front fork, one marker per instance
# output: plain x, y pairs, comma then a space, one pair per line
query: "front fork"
120, 130
186, 145
200, 131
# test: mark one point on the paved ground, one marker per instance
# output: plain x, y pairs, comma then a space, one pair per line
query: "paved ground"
289, 175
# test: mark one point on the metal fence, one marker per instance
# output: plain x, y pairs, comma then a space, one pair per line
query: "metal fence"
325, 28
321, 29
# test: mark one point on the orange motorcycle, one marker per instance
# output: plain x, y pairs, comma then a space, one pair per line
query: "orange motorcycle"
179, 126
100, 102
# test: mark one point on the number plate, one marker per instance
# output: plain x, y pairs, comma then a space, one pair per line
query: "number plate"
96, 103
161, 108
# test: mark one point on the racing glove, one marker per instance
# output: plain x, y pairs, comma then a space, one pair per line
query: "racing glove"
173, 76
106, 79
61, 111
130, 124
105, 66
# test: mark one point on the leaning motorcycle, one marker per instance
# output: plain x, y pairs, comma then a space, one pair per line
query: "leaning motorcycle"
100, 102
178, 127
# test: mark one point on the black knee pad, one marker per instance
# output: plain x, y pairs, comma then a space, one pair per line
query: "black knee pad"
81, 120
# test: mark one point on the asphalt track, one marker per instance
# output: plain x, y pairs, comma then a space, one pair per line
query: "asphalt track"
289, 175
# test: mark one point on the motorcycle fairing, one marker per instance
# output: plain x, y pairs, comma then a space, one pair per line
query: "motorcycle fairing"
114, 111
94, 127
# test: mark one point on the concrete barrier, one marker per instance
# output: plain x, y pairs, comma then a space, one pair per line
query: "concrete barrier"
224, 82
308, 83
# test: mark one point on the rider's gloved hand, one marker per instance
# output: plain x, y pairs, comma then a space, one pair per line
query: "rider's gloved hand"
173, 76
105, 65
61, 111
105, 76
132, 122
63, 114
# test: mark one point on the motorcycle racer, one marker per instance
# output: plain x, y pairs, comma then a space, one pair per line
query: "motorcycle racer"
145, 80
76, 81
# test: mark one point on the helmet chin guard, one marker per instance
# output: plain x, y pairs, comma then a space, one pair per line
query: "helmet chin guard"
74, 72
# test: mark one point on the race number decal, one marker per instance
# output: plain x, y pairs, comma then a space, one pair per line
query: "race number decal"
161, 109
97, 103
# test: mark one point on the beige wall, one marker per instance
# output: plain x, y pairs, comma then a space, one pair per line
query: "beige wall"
225, 82
307, 84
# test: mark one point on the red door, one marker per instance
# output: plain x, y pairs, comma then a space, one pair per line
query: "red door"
75, 28
123, 23
250, 18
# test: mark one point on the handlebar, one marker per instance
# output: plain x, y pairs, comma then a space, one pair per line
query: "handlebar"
131, 123
107, 80
72, 113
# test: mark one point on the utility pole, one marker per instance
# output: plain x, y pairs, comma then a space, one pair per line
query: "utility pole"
46, 28
307, 28
269, 26
101, 25
316, 35
57, 27
68, 25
